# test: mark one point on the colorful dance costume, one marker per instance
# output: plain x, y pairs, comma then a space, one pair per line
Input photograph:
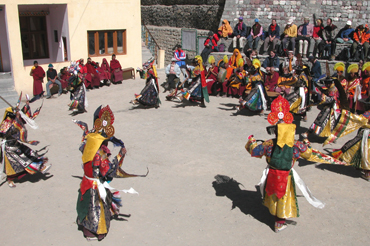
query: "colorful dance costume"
78, 90
149, 96
18, 159
278, 182
97, 200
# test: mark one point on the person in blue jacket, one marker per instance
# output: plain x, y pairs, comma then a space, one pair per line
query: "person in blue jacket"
240, 33
345, 35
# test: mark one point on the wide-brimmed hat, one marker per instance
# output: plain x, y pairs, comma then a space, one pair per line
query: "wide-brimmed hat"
50, 65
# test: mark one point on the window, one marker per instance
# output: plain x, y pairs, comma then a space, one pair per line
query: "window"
106, 42
34, 37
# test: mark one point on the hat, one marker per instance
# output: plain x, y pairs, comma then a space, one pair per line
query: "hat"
280, 111
306, 18
291, 51
241, 18
366, 66
256, 63
50, 65
174, 59
290, 21
256, 20
339, 66
349, 23
311, 58
352, 68
211, 59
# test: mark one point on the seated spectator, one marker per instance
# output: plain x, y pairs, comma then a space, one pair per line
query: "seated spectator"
289, 35
290, 62
63, 77
52, 78
271, 80
328, 40
305, 32
255, 35
316, 37
315, 74
92, 78
240, 34
285, 81
273, 36
225, 30
271, 63
210, 45
116, 71
173, 75
361, 37
104, 72
211, 78
234, 59
345, 34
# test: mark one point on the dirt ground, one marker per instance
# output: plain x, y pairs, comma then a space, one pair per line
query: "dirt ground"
179, 202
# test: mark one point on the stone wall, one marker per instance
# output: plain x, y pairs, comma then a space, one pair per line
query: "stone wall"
168, 37
199, 14
282, 10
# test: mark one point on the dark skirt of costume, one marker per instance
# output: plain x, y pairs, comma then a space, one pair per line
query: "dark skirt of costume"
78, 98
256, 99
20, 160
324, 122
149, 95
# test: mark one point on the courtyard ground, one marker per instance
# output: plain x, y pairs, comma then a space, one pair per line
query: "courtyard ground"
179, 202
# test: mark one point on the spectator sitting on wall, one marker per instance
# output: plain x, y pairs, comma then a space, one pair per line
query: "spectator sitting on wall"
52, 77
173, 75
273, 36
305, 32
316, 37
225, 30
271, 63
290, 62
255, 35
289, 35
240, 34
328, 39
345, 34
361, 37
209, 45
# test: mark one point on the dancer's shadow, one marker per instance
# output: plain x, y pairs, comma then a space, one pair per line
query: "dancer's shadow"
233, 107
344, 170
249, 202
186, 103
34, 178
140, 106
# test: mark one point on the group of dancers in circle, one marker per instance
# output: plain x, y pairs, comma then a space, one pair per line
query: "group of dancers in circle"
98, 202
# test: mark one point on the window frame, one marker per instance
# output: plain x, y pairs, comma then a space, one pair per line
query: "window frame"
37, 34
115, 48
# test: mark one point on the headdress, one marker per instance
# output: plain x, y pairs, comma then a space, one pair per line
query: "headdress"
352, 68
280, 111
211, 59
105, 121
366, 66
74, 67
199, 59
240, 62
256, 63
339, 66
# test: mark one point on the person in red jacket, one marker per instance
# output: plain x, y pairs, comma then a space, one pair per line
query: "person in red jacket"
38, 75
116, 71
92, 79
210, 45
361, 37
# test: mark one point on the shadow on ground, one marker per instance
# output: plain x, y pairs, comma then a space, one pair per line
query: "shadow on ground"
249, 202
344, 170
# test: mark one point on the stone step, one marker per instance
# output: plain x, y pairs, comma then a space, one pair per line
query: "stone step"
6, 75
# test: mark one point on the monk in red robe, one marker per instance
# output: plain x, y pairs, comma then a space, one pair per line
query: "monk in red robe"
106, 69
63, 77
38, 75
92, 79
116, 70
